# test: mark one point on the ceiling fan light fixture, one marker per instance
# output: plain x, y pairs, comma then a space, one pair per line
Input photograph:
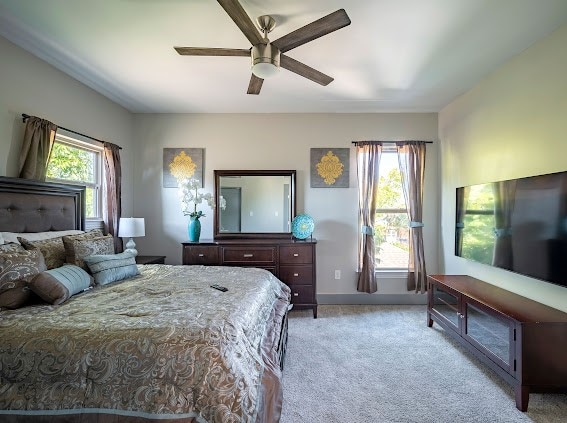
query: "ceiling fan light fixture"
265, 60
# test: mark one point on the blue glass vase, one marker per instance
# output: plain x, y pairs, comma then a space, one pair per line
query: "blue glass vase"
194, 229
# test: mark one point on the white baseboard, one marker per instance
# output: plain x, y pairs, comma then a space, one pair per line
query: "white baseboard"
372, 299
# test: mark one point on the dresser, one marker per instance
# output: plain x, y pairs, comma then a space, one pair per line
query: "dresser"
293, 262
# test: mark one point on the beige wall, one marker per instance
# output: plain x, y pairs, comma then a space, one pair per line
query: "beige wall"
512, 124
30, 85
232, 141
276, 141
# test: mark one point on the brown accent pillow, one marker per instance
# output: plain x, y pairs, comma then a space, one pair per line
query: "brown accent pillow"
16, 270
88, 247
68, 243
58, 285
52, 249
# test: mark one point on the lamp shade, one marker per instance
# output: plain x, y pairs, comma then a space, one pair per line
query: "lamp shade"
131, 227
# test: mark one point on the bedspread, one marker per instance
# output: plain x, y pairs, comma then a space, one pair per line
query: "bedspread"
162, 345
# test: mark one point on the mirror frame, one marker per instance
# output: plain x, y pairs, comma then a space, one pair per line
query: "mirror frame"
233, 235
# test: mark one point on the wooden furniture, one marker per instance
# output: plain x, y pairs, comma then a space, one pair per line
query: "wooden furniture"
293, 262
523, 341
150, 259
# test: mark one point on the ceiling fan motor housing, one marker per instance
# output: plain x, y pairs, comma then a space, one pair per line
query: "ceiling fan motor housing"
264, 57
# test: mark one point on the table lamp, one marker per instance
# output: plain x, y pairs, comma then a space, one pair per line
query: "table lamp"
131, 227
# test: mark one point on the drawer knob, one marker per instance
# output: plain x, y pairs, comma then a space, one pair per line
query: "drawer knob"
296, 254
296, 294
248, 255
296, 274
201, 255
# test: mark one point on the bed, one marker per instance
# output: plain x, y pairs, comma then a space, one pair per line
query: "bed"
161, 345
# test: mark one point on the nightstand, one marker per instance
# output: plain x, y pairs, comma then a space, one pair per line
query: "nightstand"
150, 259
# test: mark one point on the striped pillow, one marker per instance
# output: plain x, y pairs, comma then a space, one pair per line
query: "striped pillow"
108, 268
58, 285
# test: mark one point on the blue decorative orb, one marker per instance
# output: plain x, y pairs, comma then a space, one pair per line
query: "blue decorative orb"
302, 226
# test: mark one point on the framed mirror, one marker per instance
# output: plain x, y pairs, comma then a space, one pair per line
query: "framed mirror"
254, 203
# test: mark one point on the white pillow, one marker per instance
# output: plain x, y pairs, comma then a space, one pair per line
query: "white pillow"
36, 236
1, 239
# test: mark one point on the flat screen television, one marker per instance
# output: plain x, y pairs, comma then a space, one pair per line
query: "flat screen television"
518, 224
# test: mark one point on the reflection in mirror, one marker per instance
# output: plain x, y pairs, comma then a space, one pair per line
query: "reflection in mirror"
254, 203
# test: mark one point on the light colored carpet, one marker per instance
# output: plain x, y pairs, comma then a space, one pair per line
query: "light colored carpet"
372, 364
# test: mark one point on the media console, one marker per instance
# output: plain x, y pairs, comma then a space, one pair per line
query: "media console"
523, 341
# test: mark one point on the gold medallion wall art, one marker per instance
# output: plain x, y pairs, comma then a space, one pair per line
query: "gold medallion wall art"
330, 167
182, 163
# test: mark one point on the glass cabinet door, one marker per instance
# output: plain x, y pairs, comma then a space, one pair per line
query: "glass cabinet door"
490, 333
446, 305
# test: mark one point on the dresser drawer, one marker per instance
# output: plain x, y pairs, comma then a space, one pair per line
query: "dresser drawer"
297, 275
296, 254
200, 254
301, 294
245, 255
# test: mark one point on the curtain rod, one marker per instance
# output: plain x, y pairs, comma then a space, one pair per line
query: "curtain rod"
26, 116
392, 142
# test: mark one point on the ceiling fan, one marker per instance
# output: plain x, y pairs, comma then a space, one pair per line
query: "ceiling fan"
268, 56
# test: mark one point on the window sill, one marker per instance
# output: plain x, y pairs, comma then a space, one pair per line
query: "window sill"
391, 274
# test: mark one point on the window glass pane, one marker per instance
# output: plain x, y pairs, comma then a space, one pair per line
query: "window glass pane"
391, 240
391, 227
90, 202
390, 194
71, 164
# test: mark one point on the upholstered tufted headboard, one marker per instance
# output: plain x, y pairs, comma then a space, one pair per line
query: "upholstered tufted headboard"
32, 206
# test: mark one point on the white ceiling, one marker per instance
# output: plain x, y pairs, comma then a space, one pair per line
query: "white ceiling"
397, 55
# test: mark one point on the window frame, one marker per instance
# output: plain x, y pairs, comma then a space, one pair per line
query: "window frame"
97, 186
392, 272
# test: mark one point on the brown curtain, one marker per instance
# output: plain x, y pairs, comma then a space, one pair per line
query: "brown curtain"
112, 192
411, 157
39, 136
368, 162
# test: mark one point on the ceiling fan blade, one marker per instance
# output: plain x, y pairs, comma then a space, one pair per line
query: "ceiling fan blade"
255, 85
205, 51
301, 69
242, 20
312, 31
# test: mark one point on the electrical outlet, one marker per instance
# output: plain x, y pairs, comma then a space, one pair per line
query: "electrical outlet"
337, 274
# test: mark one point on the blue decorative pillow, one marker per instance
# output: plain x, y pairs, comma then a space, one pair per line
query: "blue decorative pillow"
108, 268
58, 285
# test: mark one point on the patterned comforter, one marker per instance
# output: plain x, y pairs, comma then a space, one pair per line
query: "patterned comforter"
161, 346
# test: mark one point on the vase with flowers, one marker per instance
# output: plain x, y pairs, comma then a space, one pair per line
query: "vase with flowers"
190, 196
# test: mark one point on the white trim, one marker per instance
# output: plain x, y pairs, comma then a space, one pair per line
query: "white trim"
77, 140
391, 273
411, 298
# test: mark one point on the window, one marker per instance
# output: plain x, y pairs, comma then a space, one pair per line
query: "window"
391, 232
77, 162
